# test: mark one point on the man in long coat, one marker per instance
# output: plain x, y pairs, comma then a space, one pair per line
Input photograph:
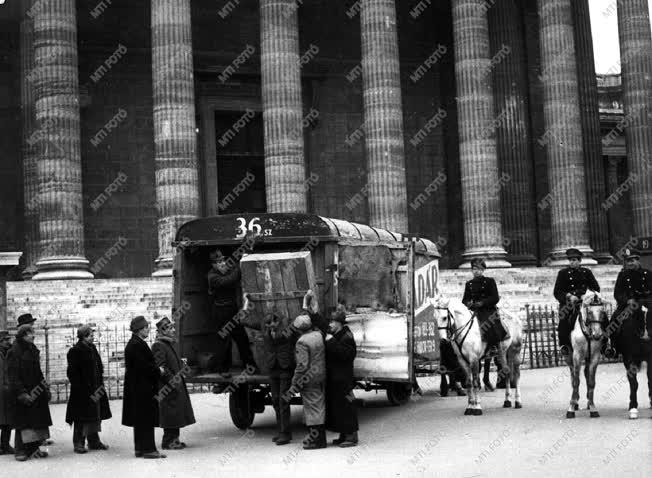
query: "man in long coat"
481, 297
88, 403
139, 404
6, 399
309, 379
341, 415
571, 284
175, 408
32, 393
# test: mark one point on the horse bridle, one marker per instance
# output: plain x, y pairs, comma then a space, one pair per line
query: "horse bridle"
455, 333
584, 324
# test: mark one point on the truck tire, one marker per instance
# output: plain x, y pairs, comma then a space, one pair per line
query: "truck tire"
398, 393
242, 414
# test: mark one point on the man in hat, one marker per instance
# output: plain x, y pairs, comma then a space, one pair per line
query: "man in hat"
26, 319
571, 284
633, 289
31, 394
308, 379
88, 403
481, 297
175, 408
139, 405
341, 415
6, 398
224, 288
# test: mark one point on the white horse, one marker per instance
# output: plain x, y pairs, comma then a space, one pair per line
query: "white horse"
460, 326
586, 338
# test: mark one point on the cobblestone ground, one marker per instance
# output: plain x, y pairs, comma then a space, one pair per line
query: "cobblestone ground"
428, 437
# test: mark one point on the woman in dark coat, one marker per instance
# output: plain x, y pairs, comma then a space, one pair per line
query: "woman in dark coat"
88, 403
341, 415
32, 393
139, 404
175, 409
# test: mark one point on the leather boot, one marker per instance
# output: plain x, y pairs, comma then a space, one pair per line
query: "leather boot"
350, 439
5, 447
316, 438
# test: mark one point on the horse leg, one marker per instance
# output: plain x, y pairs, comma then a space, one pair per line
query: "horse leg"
477, 409
632, 370
504, 373
516, 377
488, 387
469, 391
575, 379
590, 371
649, 377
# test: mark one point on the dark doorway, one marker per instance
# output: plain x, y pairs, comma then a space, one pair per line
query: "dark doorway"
240, 158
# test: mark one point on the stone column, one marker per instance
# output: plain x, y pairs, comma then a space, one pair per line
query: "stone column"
30, 180
8, 260
636, 66
563, 132
175, 137
481, 185
285, 171
513, 131
59, 176
383, 116
591, 136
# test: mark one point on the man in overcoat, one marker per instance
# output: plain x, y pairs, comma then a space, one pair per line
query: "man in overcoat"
309, 379
632, 291
481, 297
88, 403
571, 284
341, 414
6, 398
139, 404
175, 408
32, 393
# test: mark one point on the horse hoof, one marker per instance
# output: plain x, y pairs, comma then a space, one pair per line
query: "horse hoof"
576, 407
595, 415
477, 411
633, 414
570, 414
507, 404
468, 411
518, 405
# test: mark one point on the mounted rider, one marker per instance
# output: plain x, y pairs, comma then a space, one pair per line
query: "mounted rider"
633, 290
481, 297
571, 284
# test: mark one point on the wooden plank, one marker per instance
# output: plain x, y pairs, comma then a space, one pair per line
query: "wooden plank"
277, 285
285, 295
288, 276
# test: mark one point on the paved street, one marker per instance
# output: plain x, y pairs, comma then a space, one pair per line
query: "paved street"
427, 437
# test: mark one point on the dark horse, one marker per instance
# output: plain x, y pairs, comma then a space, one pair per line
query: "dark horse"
633, 342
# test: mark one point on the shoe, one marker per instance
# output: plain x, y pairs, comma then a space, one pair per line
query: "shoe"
138, 454
41, 454
175, 445
340, 439
275, 438
349, 440
283, 439
22, 457
98, 446
7, 450
316, 439
81, 449
154, 455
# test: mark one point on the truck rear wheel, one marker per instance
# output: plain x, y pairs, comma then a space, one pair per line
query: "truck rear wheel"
240, 407
398, 393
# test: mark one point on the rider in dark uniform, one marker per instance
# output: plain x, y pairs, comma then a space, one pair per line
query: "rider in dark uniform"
572, 283
481, 297
633, 290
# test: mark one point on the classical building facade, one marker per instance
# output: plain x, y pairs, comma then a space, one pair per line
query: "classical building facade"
476, 123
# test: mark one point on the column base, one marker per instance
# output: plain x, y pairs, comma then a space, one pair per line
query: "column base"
29, 272
522, 260
494, 257
558, 257
62, 268
163, 266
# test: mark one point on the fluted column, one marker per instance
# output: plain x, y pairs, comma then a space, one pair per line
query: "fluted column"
285, 171
56, 96
175, 140
636, 66
591, 136
383, 116
483, 233
563, 131
513, 131
30, 180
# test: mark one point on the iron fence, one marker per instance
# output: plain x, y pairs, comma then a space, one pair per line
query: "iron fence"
541, 348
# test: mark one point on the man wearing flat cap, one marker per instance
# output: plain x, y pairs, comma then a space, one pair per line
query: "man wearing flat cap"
481, 297
309, 379
6, 398
633, 289
571, 284
88, 403
139, 404
341, 415
175, 408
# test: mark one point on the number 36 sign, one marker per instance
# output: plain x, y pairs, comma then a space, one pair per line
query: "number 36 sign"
252, 226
